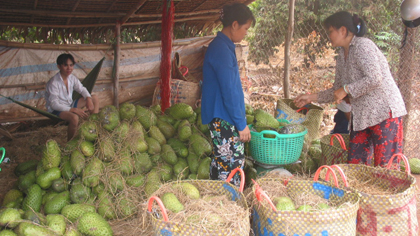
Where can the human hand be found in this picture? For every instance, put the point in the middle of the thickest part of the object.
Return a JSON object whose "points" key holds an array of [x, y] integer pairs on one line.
{"points": [[339, 94], [304, 99], [89, 104], [80, 112], [245, 135]]}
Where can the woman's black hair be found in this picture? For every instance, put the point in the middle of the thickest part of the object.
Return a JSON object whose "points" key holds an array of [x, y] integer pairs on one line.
{"points": [[62, 59], [353, 23], [236, 12]]}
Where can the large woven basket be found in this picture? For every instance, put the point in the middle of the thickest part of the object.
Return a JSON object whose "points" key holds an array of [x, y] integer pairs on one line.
{"points": [[340, 221], [335, 149], [163, 226], [394, 214]]}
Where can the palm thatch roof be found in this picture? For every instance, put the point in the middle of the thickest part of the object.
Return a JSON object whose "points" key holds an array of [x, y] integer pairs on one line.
{"points": [[50, 21]]}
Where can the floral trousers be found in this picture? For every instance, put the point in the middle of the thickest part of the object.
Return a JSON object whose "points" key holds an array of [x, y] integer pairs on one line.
{"points": [[377, 143], [228, 151]]}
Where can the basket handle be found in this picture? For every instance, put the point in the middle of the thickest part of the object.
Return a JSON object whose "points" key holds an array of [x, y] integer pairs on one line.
{"points": [[316, 177], [259, 194], [183, 68], [270, 132], [343, 176], [340, 140], [162, 207], [242, 174], [301, 109], [399, 156], [3, 150]]}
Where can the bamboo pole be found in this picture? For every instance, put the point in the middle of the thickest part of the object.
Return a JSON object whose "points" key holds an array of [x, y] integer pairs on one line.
{"points": [[116, 71], [83, 47], [406, 75], [289, 36]]}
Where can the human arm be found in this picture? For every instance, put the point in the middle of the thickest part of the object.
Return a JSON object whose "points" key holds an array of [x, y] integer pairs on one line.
{"points": [[304, 99]]}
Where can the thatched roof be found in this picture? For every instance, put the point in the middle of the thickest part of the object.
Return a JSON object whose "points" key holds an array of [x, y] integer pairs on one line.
{"points": [[66, 18]]}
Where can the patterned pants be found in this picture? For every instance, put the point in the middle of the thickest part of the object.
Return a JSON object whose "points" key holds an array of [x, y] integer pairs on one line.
{"points": [[381, 141], [228, 151]]}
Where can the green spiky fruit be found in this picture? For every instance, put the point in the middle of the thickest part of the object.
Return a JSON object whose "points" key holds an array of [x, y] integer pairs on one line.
{"points": [[74, 211], [200, 145], [188, 189], [146, 117], [92, 224], [56, 223], [57, 203], [77, 162], [10, 217], [106, 149], [109, 117], [181, 111], [33, 199], [88, 131], [169, 155], [51, 155], [284, 203], [171, 202], [93, 172], [127, 111], [142, 163]]}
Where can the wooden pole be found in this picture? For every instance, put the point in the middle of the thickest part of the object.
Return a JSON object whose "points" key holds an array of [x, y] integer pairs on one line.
{"points": [[116, 74], [287, 44], [406, 75]]}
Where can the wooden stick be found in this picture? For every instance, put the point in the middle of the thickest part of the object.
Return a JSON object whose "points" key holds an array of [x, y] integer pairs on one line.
{"points": [[117, 54], [287, 48]]}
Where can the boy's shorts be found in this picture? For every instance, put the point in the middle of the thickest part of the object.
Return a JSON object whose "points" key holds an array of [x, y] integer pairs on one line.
{"points": [[73, 105]]}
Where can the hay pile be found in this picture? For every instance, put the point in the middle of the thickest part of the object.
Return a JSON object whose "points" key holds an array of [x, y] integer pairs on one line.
{"points": [[212, 212]]}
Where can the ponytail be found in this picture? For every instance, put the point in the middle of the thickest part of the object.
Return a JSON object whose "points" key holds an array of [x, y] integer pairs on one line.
{"points": [[353, 23]]}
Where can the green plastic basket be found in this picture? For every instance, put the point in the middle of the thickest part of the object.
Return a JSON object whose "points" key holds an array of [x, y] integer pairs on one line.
{"points": [[283, 149]]}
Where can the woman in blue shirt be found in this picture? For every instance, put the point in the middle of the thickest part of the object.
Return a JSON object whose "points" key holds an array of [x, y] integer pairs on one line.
{"points": [[223, 105]]}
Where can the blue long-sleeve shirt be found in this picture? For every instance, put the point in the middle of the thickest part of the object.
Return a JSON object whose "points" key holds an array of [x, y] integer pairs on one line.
{"points": [[222, 94]]}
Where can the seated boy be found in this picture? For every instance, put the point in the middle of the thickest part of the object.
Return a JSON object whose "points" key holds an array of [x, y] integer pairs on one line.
{"points": [[59, 92]]}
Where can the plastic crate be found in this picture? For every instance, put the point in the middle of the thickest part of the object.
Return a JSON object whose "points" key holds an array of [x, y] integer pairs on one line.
{"points": [[283, 149]]}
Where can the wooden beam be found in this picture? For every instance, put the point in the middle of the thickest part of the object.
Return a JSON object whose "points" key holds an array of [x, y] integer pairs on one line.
{"points": [[117, 54], [74, 14], [132, 11], [208, 18], [73, 10], [64, 14], [177, 14], [289, 37], [87, 47]]}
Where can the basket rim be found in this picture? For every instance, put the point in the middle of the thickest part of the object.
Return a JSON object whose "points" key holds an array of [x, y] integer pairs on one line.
{"points": [[280, 135]]}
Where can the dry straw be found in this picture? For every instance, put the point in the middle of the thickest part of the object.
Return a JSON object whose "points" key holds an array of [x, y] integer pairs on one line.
{"points": [[211, 212]]}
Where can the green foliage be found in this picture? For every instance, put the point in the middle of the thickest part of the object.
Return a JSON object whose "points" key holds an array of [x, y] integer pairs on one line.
{"points": [[272, 23]]}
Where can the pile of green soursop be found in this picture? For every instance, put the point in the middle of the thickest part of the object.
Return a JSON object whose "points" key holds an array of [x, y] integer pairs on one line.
{"points": [[114, 164]]}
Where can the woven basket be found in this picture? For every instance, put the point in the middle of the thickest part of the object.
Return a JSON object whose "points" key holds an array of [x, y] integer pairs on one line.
{"points": [[181, 92], [394, 214], [341, 221], [309, 116], [335, 149], [163, 226]]}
